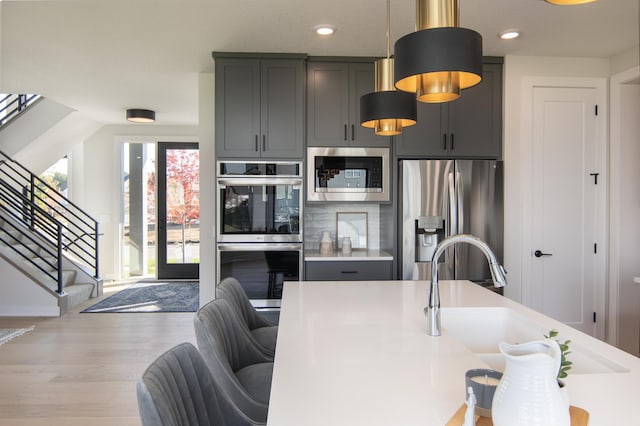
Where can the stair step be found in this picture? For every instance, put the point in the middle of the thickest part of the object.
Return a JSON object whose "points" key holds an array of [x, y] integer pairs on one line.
{"points": [[47, 263], [10, 236], [78, 293], [30, 250], [68, 277]]}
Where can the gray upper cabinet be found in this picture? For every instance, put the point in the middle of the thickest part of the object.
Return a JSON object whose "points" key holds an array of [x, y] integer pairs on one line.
{"points": [[259, 107], [469, 127], [333, 104]]}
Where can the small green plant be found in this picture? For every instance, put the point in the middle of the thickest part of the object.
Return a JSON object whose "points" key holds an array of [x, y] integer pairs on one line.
{"points": [[565, 364]]}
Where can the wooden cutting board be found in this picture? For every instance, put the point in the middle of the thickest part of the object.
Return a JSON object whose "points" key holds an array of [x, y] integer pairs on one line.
{"points": [[579, 417]]}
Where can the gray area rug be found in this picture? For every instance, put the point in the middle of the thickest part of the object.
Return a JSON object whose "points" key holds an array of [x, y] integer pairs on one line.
{"points": [[166, 296], [7, 334]]}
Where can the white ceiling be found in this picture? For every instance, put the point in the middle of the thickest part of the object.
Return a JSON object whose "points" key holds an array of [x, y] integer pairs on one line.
{"points": [[104, 56]]}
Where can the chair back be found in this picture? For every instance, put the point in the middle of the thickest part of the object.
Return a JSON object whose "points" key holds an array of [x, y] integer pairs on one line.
{"points": [[177, 389], [231, 290], [227, 347]]}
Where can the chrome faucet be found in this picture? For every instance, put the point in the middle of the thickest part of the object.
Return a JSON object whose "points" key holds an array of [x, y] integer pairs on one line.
{"points": [[432, 310]]}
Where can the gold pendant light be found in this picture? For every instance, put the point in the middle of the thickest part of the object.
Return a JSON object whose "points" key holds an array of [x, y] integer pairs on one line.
{"points": [[569, 2], [387, 110], [440, 59]]}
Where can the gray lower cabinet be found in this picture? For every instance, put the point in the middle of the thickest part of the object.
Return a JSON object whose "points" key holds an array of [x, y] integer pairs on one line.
{"points": [[259, 107], [348, 270], [333, 104], [469, 127]]}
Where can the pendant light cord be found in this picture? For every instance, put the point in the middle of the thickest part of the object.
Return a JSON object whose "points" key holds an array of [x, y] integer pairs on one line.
{"points": [[388, 28]]}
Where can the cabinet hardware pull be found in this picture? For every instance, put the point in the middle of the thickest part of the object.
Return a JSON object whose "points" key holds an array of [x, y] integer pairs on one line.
{"points": [[348, 272], [444, 141], [264, 142], [256, 143], [353, 132], [345, 132]]}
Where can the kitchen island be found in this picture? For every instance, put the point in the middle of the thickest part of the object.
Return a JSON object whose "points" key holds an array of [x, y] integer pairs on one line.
{"points": [[357, 353]]}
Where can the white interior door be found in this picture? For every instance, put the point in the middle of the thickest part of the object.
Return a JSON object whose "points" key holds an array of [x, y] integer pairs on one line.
{"points": [[567, 251]]}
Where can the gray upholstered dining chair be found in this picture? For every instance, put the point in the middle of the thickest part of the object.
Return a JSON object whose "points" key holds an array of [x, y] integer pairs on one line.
{"points": [[177, 389], [233, 357], [263, 330]]}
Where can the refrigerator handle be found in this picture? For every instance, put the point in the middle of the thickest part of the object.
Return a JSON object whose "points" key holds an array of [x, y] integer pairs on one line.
{"points": [[460, 203], [453, 207]]}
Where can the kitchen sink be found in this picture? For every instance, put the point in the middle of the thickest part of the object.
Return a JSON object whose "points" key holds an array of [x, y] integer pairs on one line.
{"points": [[482, 329]]}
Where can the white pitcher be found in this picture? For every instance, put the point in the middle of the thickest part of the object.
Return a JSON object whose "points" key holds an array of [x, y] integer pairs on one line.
{"points": [[528, 393]]}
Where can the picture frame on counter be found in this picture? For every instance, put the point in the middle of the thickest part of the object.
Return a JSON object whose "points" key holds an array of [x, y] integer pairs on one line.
{"points": [[354, 225]]}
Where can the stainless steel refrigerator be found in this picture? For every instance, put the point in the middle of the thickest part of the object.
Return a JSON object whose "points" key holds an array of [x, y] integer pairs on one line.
{"points": [[439, 198]]}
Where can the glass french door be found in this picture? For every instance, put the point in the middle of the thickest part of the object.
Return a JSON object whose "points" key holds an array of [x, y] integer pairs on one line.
{"points": [[178, 251]]}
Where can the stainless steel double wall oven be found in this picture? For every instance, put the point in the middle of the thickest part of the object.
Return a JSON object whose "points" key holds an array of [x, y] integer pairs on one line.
{"points": [[259, 226]]}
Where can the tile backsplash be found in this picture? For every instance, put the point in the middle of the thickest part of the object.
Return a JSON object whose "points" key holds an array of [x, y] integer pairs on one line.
{"points": [[319, 218]]}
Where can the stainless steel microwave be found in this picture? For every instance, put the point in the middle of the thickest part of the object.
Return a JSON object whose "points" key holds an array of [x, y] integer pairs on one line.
{"points": [[348, 174]]}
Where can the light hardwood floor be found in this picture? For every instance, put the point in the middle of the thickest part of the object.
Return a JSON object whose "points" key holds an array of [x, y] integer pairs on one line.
{"points": [[81, 369]]}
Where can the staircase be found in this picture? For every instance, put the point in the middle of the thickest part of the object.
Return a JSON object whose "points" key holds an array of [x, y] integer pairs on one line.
{"points": [[12, 105], [48, 246]]}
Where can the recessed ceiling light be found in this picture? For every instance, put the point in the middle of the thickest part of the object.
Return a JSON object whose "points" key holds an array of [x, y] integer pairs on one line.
{"points": [[509, 34], [324, 29]]}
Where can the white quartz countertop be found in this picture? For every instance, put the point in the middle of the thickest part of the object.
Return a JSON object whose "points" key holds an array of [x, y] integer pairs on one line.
{"points": [[356, 255], [357, 353]]}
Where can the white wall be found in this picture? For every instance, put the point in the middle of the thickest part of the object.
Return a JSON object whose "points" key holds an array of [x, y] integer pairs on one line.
{"points": [[516, 68], [98, 172], [37, 120], [23, 297], [625, 60], [629, 266], [624, 295], [207, 188], [46, 133], [624, 186], [56, 142], [1, 85]]}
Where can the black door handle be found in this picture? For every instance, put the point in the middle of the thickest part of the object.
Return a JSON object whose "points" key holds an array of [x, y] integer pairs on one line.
{"points": [[538, 253]]}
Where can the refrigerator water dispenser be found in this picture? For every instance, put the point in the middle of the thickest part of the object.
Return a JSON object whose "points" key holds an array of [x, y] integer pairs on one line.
{"points": [[429, 232]]}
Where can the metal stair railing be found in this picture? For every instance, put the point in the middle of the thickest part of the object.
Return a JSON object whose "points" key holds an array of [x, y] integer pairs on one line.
{"points": [[44, 210], [11, 105], [20, 240]]}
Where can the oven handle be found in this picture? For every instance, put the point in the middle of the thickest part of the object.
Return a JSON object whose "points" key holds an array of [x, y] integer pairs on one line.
{"points": [[261, 181], [260, 246]]}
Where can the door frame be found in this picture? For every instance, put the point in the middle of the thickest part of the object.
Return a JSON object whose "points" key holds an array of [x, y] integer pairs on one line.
{"points": [[119, 141], [165, 270], [526, 172], [617, 80]]}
